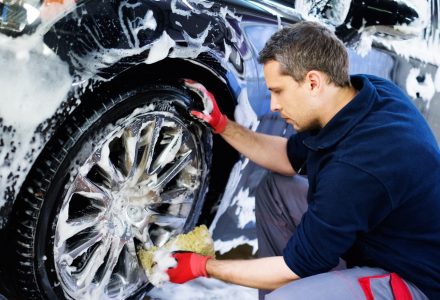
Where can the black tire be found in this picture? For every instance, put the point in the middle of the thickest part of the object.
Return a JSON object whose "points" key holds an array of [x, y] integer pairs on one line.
{"points": [[37, 271]]}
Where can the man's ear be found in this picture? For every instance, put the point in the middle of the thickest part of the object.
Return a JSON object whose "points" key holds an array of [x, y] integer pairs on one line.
{"points": [[314, 80]]}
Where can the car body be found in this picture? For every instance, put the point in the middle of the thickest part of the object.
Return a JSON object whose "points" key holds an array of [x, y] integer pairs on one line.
{"points": [[99, 154]]}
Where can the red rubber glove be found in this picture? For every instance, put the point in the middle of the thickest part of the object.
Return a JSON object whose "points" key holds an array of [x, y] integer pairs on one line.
{"points": [[190, 265], [211, 113]]}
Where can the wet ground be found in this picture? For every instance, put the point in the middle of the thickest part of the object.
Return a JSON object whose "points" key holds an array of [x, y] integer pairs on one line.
{"points": [[203, 289]]}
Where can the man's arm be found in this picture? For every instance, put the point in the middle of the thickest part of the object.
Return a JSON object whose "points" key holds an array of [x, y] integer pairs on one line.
{"points": [[264, 273], [268, 151], [267, 273]]}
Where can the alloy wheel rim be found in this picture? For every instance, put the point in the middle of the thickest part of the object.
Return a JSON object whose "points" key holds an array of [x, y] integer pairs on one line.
{"points": [[137, 188]]}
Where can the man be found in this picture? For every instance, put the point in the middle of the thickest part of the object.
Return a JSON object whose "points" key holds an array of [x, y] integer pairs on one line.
{"points": [[373, 171]]}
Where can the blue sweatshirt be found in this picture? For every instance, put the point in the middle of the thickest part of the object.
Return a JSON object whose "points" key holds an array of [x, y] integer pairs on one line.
{"points": [[374, 189]]}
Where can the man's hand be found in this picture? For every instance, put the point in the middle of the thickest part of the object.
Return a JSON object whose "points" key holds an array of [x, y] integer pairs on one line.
{"points": [[211, 114], [190, 265]]}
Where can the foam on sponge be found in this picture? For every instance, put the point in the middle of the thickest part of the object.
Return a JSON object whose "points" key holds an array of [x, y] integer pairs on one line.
{"points": [[156, 261]]}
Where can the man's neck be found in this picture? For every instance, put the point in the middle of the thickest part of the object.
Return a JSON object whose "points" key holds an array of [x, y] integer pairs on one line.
{"points": [[337, 99]]}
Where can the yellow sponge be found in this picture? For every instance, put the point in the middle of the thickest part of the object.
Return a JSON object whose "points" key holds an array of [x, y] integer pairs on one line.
{"points": [[156, 260]]}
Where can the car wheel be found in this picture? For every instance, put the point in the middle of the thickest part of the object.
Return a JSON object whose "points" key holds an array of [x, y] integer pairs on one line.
{"points": [[127, 171]]}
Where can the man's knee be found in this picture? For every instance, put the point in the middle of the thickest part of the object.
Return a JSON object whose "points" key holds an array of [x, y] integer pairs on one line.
{"points": [[284, 194], [276, 184], [265, 187]]}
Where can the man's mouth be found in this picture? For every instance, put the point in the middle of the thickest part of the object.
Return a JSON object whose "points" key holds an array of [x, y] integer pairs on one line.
{"points": [[286, 118]]}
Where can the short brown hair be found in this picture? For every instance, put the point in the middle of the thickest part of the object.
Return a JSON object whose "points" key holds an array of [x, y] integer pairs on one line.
{"points": [[307, 46]]}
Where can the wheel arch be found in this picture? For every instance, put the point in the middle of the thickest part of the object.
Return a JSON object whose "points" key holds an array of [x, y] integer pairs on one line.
{"points": [[173, 70]]}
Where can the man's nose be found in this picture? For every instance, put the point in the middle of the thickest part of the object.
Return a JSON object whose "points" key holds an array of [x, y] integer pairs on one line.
{"points": [[274, 105]]}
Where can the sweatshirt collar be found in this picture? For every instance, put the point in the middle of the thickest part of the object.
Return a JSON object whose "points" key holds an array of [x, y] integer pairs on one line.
{"points": [[348, 117]]}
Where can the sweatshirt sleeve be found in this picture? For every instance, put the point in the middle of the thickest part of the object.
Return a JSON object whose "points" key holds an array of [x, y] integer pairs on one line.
{"points": [[347, 201], [297, 151]]}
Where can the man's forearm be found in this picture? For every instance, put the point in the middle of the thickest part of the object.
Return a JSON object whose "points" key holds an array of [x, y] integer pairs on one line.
{"points": [[266, 273], [265, 150]]}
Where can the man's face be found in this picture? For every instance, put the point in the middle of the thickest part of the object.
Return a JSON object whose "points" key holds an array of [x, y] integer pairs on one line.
{"points": [[291, 99]]}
